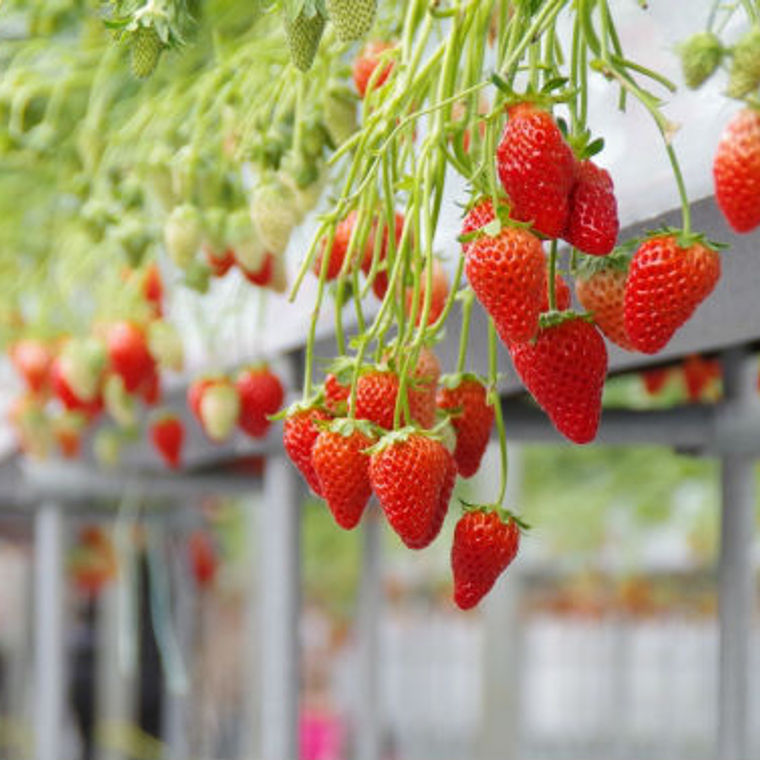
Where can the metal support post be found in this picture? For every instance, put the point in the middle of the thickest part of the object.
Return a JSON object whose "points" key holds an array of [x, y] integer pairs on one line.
{"points": [[48, 632], [279, 536], [369, 713], [500, 736], [736, 576]]}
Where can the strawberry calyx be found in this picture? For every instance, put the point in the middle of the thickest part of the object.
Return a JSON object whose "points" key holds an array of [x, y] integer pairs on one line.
{"points": [[619, 261], [312, 404], [402, 435], [453, 380], [505, 515], [550, 94], [684, 239], [346, 427]]}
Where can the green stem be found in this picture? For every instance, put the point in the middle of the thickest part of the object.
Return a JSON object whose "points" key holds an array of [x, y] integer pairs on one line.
{"points": [[464, 336], [553, 276], [493, 377]]}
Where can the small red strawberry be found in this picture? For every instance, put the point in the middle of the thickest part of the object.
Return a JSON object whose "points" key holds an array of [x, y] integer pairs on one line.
{"points": [[537, 169], [365, 64], [342, 466], [698, 374], [32, 360], [439, 295], [564, 370], [167, 435], [593, 224], [264, 275], [204, 560], [736, 171], [261, 394], [220, 263], [408, 476], [129, 355], [654, 379], [484, 547], [376, 393], [601, 291], [472, 417], [336, 394], [666, 283], [299, 436], [508, 275]]}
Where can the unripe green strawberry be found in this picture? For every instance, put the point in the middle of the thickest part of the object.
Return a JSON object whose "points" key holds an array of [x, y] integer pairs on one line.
{"points": [[340, 115], [219, 410], [165, 345], [244, 241], [745, 69], [119, 404], [274, 214], [146, 47], [700, 57], [82, 363], [352, 18], [182, 235], [304, 34]]}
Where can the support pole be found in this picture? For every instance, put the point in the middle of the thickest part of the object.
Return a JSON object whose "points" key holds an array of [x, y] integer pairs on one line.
{"points": [[279, 536], [369, 713], [48, 632], [736, 574]]}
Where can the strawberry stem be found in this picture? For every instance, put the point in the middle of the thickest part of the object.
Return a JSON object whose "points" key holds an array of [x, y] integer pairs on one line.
{"points": [[553, 276], [464, 337], [493, 378]]}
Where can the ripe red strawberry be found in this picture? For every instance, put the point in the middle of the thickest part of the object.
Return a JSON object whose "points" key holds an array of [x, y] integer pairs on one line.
{"points": [[422, 386], [593, 223], [343, 471], [666, 283], [472, 419], [299, 436], [698, 374], [537, 169], [654, 379], [380, 282], [562, 297], [261, 394], [564, 370], [339, 248], [336, 394], [220, 263], [167, 435], [736, 170], [484, 547], [129, 355], [32, 360], [508, 275], [366, 63], [153, 289], [408, 477], [262, 276], [438, 297], [204, 561], [601, 292], [376, 393]]}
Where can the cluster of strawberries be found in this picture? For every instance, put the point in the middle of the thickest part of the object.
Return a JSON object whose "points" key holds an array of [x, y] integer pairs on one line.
{"points": [[411, 469], [71, 381], [220, 404], [638, 302]]}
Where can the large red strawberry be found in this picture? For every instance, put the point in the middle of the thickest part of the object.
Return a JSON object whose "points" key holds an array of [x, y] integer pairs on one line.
{"points": [[168, 435], [32, 359], [484, 547], [376, 393], [601, 291], [472, 417], [129, 355], [593, 224], [666, 283], [365, 64], [537, 169], [508, 275], [299, 436], [438, 297], [261, 394], [736, 170], [408, 476], [342, 466], [564, 369]]}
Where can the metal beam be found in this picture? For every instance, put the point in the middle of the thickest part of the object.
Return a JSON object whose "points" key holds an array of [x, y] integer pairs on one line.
{"points": [[280, 549], [48, 560], [369, 713], [736, 572]]}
